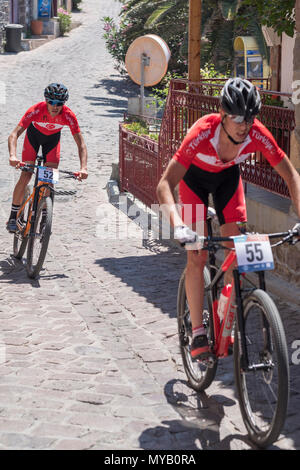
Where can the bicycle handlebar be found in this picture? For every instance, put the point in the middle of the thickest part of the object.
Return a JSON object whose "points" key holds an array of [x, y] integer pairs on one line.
{"points": [[214, 243], [26, 166]]}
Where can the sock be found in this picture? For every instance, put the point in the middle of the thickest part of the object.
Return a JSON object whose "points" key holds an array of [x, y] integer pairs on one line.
{"points": [[199, 330], [14, 211]]}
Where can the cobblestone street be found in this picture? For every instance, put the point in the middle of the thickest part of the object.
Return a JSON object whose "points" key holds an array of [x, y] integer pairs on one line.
{"points": [[89, 355]]}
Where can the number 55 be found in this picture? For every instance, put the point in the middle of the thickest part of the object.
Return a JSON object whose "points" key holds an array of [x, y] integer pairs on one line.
{"points": [[254, 252]]}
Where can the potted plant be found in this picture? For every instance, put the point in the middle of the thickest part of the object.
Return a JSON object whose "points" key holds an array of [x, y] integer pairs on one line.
{"points": [[36, 27]]}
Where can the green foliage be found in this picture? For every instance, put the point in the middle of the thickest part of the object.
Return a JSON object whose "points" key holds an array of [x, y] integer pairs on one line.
{"points": [[141, 128], [64, 20], [278, 14], [160, 92], [222, 21], [133, 23], [273, 100]]}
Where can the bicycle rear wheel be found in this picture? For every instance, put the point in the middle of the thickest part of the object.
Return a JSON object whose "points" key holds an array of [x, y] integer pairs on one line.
{"points": [[200, 374], [263, 391], [20, 242], [39, 240]]}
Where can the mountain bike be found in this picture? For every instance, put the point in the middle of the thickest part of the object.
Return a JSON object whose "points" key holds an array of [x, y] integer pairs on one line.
{"points": [[251, 329], [34, 218]]}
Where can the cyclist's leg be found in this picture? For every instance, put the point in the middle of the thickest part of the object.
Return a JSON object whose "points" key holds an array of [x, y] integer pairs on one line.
{"points": [[30, 149], [29, 152], [194, 214], [194, 284]]}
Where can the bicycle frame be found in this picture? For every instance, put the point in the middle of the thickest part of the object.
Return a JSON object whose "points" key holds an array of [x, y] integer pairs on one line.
{"points": [[37, 194], [221, 332]]}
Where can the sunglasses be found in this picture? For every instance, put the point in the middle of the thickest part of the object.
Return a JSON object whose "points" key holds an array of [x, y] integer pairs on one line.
{"points": [[55, 102], [241, 119]]}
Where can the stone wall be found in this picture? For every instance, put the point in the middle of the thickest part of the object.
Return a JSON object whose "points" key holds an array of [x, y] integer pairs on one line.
{"points": [[296, 76], [4, 19]]}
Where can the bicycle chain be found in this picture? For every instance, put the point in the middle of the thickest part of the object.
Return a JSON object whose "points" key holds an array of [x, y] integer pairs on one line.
{"points": [[64, 193]]}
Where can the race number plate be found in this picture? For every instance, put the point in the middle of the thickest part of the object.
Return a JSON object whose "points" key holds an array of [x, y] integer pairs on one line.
{"points": [[48, 175], [254, 253]]}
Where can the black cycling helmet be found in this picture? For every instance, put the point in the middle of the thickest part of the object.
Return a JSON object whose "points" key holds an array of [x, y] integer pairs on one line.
{"points": [[56, 91], [240, 97]]}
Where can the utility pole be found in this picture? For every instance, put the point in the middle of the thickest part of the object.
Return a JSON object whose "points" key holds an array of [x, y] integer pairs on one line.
{"points": [[194, 40]]}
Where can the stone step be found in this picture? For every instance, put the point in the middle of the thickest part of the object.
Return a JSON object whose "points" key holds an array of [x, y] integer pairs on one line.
{"points": [[36, 41]]}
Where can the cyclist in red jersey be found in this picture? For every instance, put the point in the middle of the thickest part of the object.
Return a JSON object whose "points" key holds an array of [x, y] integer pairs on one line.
{"points": [[43, 123], [207, 163]]}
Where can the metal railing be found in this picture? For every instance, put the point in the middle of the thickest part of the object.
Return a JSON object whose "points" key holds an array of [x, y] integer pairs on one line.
{"points": [[142, 161]]}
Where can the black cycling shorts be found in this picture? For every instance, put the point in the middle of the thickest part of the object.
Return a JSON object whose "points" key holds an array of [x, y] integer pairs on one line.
{"points": [[227, 191], [34, 139]]}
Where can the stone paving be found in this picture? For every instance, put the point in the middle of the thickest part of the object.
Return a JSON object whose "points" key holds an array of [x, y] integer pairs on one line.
{"points": [[89, 356]]}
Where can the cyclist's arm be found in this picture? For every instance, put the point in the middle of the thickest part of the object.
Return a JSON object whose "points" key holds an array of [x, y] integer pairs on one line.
{"points": [[12, 145], [82, 152], [166, 191], [290, 175]]}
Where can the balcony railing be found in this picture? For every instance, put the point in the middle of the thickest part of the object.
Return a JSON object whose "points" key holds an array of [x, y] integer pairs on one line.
{"points": [[142, 161]]}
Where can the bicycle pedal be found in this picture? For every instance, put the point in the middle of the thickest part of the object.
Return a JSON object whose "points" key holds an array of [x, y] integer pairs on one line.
{"points": [[20, 225], [208, 361]]}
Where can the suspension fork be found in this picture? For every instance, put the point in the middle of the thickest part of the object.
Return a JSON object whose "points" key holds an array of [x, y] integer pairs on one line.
{"points": [[39, 189]]}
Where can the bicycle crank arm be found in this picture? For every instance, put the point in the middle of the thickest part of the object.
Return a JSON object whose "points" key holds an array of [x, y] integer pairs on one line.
{"points": [[262, 366]]}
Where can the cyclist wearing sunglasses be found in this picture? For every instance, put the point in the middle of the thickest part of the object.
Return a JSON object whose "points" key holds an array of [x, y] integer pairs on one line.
{"points": [[43, 123], [207, 163]]}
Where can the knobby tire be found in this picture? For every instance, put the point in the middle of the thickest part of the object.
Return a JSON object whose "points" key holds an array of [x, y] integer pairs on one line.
{"points": [[20, 242], [33, 268], [199, 375], [263, 394]]}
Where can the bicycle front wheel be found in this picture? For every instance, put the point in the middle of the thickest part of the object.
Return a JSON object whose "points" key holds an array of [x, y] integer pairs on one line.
{"points": [[20, 242], [39, 239], [200, 374], [263, 389]]}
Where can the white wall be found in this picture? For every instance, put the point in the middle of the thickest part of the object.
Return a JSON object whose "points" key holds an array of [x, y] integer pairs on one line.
{"points": [[287, 48]]}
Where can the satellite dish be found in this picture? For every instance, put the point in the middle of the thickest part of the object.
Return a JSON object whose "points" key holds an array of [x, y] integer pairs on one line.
{"points": [[158, 52], [146, 61]]}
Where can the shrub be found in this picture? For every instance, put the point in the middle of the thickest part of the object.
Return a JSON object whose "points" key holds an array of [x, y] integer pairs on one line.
{"points": [[64, 21]]}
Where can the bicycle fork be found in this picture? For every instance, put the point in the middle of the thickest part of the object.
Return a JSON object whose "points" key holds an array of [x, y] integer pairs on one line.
{"points": [[241, 337], [241, 334]]}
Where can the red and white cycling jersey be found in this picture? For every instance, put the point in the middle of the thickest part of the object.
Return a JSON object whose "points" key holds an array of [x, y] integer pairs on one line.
{"points": [[199, 147], [41, 119]]}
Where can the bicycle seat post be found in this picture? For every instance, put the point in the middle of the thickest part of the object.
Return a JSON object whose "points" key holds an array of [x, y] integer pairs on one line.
{"points": [[41, 160]]}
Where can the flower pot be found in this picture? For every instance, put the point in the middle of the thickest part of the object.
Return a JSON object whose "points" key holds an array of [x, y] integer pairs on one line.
{"points": [[36, 27]]}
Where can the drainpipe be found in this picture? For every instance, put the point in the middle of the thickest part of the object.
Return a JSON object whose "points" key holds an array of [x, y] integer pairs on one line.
{"points": [[34, 9]]}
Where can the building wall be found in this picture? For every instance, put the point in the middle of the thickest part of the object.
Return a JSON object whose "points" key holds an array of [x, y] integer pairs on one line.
{"points": [[4, 19], [287, 47]]}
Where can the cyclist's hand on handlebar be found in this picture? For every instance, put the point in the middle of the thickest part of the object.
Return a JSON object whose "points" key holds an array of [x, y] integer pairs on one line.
{"points": [[13, 161], [184, 234], [187, 237]]}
